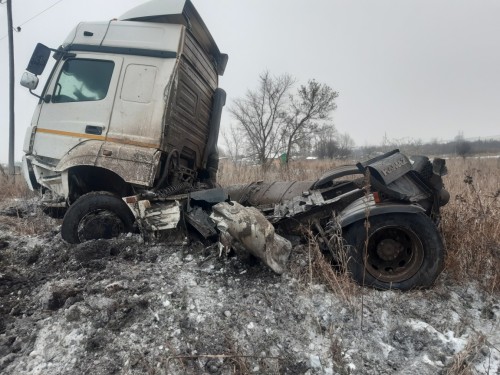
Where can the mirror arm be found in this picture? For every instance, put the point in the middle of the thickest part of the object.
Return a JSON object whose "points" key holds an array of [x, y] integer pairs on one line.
{"points": [[46, 99], [60, 54]]}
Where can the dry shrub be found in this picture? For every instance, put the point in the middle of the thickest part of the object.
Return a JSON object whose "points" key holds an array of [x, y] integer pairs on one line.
{"points": [[233, 360], [471, 221], [463, 362], [19, 215], [323, 269], [33, 224], [13, 186], [337, 353]]}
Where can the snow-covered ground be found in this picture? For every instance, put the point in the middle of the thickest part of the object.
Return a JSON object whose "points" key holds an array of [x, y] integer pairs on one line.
{"points": [[125, 307]]}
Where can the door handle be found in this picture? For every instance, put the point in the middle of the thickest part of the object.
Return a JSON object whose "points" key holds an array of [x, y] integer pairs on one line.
{"points": [[93, 129]]}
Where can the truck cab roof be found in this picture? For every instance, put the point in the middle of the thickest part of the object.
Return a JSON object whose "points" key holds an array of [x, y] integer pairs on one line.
{"points": [[154, 29], [179, 12]]}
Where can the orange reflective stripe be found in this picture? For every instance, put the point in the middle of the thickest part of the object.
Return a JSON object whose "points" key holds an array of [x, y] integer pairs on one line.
{"points": [[97, 137]]}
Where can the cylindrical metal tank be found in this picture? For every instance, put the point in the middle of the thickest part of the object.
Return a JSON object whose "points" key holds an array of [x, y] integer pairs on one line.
{"points": [[260, 193]]}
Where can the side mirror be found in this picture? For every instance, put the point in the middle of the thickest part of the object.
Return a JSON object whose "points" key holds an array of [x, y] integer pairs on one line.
{"points": [[39, 59], [29, 80]]}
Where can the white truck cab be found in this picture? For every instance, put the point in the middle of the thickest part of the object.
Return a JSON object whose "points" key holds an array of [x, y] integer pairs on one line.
{"points": [[130, 104]]}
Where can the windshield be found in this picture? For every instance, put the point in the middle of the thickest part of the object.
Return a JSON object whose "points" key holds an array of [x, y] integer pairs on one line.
{"points": [[83, 80]]}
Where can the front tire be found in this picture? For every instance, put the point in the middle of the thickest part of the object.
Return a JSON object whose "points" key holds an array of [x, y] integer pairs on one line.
{"points": [[403, 251], [96, 215]]}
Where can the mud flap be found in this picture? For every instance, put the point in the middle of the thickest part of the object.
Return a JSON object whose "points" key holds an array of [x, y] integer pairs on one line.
{"points": [[248, 227]]}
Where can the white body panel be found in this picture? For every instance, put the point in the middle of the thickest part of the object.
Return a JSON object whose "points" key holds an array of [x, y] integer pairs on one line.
{"points": [[128, 34], [140, 105], [154, 8], [61, 126]]}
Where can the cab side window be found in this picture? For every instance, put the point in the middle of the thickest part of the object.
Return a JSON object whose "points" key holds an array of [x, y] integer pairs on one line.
{"points": [[83, 80]]}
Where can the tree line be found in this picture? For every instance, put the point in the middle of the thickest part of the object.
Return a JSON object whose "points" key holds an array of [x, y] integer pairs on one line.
{"points": [[278, 120], [459, 146]]}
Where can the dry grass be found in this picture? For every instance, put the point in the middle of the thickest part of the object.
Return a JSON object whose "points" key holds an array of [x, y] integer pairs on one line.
{"points": [[463, 362], [299, 170], [13, 187], [318, 267], [233, 360], [19, 216], [471, 221]]}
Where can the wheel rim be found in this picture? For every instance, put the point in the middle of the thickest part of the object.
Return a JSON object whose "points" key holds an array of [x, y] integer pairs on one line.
{"points": [[394, 254], [100, 224]]}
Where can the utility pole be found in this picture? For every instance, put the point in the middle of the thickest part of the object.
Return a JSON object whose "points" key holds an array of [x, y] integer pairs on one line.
{"points": [[11, 87]]}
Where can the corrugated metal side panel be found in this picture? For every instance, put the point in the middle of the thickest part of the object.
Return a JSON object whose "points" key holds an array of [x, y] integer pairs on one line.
{"points": [[187, 123], [201, 61]]}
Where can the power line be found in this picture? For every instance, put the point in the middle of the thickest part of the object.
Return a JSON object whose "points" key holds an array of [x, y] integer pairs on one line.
{"points": [[18, 28], [43, 11]]}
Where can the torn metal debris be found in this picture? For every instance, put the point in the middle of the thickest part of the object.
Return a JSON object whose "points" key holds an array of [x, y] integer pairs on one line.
{"points": [[248, 228]]}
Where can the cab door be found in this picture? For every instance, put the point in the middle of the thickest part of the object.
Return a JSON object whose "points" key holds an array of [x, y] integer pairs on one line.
{"points": [[78, 106]]}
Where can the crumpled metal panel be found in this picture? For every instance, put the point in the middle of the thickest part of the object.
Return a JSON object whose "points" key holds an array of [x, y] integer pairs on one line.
{"points": [[298, 204], [200, 220], [136, 165], [209, 196], [156, 216], [248, 227]]}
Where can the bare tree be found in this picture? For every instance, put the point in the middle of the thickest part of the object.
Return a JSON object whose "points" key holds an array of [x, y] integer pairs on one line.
{"points": [[261, 115], [326, 144], [314, 102], [345, 145], [326, 148], [462, 146], [233, 143], [388, 144]]}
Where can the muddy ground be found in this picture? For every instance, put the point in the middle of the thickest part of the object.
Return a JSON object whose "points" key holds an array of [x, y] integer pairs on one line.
{"points": [[125, 307]]}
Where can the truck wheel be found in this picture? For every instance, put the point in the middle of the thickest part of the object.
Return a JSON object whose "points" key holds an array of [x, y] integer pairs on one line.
{"points": [[403, 251], [96, 215]]}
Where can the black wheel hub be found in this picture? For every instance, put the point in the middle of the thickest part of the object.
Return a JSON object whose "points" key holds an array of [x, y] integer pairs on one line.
{"points": [[394, 254], [100, 224]]}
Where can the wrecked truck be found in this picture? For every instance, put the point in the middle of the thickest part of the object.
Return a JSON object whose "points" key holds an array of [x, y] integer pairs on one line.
{"points": [[124, 136], [379, 217]]}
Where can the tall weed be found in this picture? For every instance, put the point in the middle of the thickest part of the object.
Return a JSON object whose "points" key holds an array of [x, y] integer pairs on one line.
{"points": [[471, 221]]}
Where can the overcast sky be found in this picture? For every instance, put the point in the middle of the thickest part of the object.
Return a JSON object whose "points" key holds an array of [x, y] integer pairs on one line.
{"points": [[412, 69]]}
